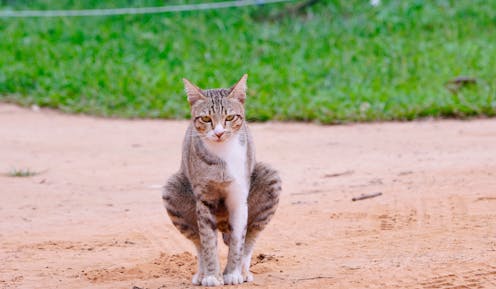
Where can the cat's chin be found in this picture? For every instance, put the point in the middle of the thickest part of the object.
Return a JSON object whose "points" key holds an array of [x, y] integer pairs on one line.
{"points": [[217, 140]]}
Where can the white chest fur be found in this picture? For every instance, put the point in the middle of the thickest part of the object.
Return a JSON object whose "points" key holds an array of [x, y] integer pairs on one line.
{"points": [[233, 152]]}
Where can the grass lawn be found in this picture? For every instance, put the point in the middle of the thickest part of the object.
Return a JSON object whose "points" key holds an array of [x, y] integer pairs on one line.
{"points": [[339, 61]]}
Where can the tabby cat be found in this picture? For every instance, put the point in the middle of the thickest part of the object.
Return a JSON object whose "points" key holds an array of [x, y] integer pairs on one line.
{"points": [[220, 185]]}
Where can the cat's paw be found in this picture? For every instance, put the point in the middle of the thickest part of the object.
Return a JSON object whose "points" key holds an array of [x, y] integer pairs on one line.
{"points": [[212, 280], [233, 278], [197, 278], [248, 276]]}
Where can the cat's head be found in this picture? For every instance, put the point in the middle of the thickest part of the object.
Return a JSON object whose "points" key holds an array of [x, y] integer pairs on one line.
{"points": [[217, 114]]}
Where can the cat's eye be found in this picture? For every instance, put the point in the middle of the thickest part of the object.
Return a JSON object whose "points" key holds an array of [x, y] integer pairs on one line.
{"points": [[206, 118], [230, 117]]}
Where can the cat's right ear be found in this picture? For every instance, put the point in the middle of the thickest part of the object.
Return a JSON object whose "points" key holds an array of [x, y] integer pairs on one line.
{"points": [[194, 93]]}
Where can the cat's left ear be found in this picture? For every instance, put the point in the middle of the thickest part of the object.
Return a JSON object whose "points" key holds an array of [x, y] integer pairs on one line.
{"points": [[238, 91]]}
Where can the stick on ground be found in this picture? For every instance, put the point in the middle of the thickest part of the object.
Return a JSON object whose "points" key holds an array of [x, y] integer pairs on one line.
{"points": [[366, 196]]}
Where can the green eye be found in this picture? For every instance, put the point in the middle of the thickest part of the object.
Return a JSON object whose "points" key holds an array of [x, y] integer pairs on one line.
{"points": [[206, 118], [230, 117]]}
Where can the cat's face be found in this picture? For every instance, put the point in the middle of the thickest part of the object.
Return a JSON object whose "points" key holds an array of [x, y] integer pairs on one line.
{"points": [[217, 114]]}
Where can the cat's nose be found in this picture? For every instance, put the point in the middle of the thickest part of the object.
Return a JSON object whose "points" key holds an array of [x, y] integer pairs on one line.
{"points": [[219, 130]]}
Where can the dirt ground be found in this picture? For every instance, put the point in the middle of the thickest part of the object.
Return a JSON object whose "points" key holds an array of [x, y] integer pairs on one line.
{"points": [[93, 216]]}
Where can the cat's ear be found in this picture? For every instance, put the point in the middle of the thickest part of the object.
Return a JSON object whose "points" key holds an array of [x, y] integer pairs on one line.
{"points": [[194, 93], [238, 91]]}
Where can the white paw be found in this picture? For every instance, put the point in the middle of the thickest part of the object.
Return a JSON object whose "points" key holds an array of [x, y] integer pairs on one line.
{"points": [[211, 280], [248, 277], [197, 278], [233, 278]]}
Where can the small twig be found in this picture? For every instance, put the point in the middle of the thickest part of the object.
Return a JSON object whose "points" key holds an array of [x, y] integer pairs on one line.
{"points": [[366, 196], [345, 173], [312, 278]]}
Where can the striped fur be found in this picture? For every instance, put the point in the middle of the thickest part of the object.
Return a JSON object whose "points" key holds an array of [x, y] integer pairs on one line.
{"points": [[220, 186], [180, 203]]}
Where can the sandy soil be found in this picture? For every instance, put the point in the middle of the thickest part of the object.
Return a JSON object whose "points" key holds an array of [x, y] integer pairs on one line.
{"points": [[93, 217]]}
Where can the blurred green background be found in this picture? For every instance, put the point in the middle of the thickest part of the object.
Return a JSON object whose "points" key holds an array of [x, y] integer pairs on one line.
{"points": [[335, 61]]}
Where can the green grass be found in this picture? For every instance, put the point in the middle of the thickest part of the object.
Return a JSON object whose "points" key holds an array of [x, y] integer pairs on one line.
{"points": [[22, 173], [341, 61]]}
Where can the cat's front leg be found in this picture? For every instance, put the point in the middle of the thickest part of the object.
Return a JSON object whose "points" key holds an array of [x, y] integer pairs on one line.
{"points": [[238, 217], [209, 274], [197, 278]]}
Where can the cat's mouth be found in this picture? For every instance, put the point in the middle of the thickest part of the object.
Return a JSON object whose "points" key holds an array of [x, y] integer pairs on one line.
{"points": [[218, 139]]}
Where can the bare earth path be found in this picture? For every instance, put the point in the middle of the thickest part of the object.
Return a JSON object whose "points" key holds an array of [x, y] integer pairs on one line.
{"points": [[93, 217]]}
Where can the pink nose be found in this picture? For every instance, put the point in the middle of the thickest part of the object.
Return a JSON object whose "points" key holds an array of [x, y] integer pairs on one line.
{"points": [[219, 134]]}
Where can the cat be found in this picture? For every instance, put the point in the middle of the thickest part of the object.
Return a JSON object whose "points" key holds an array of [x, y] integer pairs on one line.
{"points": [[220, 186]]}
